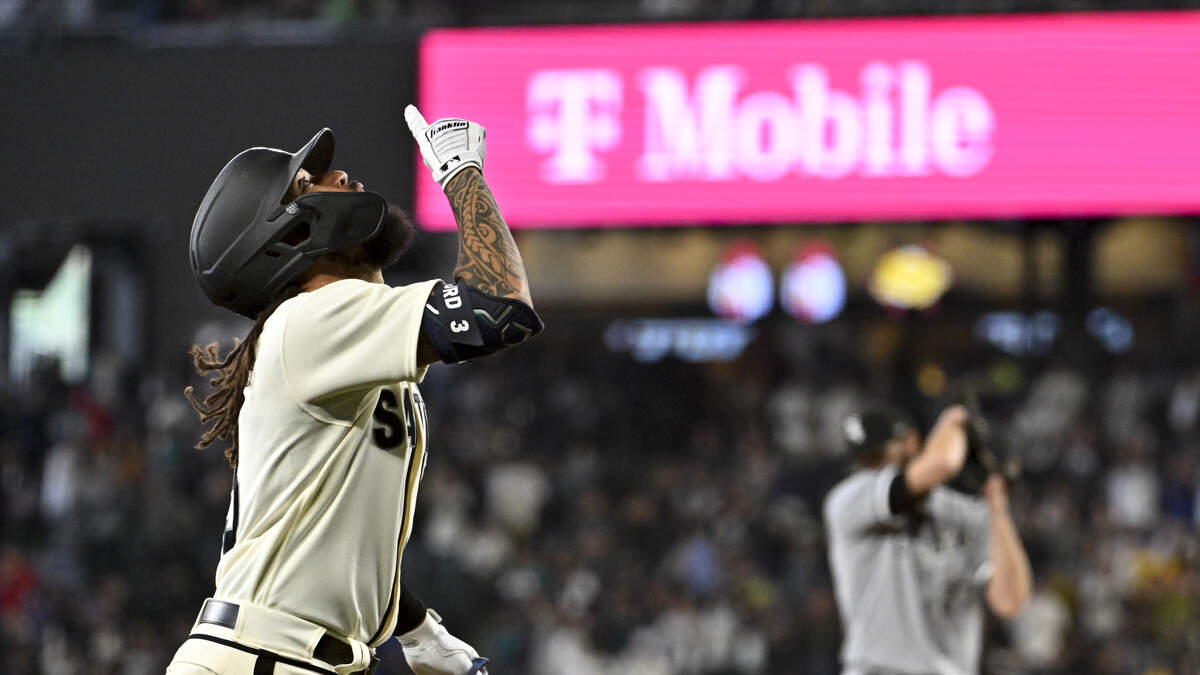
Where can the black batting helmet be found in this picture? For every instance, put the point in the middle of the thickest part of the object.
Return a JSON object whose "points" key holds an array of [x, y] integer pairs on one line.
{"points": [[247, 245], [869, 431]]}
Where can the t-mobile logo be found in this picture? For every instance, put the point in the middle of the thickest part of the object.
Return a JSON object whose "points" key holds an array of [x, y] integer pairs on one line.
{"points": [[895, 127], [573, 114]]}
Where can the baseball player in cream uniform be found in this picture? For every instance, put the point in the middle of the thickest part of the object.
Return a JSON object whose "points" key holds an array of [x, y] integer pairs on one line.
{"points": [[327, 425]]}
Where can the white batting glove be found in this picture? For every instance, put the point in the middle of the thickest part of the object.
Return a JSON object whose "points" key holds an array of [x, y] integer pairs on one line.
{"points": [[430, 649], [448, 146]]}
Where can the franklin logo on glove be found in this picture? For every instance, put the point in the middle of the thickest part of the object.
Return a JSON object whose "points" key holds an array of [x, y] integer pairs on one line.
{"points": [[453, 124]]}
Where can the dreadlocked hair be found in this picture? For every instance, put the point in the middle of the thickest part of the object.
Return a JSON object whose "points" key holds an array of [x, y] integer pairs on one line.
{"points": [[224, 403]]}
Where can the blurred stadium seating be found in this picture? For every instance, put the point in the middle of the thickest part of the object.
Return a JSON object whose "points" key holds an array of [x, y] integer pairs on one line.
{"points": [[594, 509]]}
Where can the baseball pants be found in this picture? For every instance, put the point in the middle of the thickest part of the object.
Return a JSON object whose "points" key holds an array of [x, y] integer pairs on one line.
{"points": [[245, 639]]}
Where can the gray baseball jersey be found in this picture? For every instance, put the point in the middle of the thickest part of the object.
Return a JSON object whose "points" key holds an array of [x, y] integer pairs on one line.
{"points": [[332, 449], [909, 587]]}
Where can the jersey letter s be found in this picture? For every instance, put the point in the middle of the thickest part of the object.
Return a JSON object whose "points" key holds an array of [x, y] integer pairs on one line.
{"points": [[390, 430]]}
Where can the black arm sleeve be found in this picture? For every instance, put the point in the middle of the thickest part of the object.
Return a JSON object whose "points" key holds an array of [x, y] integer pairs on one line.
{"points": [[464, 323], [410, 611], [900, 499]]}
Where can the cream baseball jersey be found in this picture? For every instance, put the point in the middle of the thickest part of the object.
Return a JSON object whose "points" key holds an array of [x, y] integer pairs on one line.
{"points": [[331, 452]]}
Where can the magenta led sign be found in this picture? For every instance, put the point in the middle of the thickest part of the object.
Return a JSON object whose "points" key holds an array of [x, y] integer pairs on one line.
{"points": [[896, 119]]}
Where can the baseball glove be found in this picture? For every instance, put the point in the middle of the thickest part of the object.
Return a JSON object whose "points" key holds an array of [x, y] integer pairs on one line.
{"points": [[986, 455]]}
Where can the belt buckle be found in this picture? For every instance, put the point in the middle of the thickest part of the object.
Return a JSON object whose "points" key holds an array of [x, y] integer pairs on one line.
{"points": [[220, 613]]}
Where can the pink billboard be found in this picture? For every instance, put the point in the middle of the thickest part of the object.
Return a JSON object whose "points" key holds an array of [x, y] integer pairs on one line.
{"points": [[830, 121]]}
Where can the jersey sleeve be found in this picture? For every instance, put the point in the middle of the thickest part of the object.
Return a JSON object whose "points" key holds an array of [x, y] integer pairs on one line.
{"points": [[860, 501], [352, 336]]}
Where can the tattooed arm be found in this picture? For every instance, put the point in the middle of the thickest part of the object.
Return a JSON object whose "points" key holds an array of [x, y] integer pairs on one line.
{"points": [[488, 258], [488, 261], [489, 308]]}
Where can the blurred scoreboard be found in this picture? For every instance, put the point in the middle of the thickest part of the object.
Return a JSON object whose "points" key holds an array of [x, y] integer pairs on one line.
{"points": [[826, 121]]}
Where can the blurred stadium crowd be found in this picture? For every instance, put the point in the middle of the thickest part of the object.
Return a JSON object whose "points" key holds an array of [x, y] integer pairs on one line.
{"points": [[585, 514]]}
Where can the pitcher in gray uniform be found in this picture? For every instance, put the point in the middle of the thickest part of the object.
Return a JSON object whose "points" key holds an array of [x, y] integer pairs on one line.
{"points": [[914, 562]]}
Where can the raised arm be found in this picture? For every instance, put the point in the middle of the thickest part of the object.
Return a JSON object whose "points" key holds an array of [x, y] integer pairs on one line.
{"points": [[490, 307], [943, 455], [488, 258]]}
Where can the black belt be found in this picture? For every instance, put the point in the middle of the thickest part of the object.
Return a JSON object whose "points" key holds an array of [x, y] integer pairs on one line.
{"points": [[329, 649]]}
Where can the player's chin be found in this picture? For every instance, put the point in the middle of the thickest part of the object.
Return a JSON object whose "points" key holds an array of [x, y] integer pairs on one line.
{"points": [[393, 240]]}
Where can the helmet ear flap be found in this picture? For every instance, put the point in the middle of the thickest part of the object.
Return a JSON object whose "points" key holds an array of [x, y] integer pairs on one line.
{"points": [[340, 219], [283, 257], [299, 233], [294, 230]]}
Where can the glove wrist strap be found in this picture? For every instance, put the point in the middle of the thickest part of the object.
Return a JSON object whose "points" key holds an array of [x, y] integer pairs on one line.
{"points": [[466, 164], [426, 632]]}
